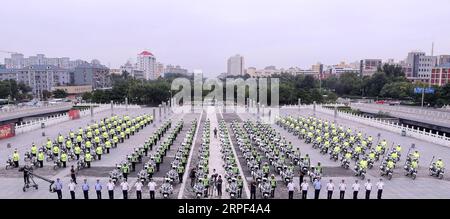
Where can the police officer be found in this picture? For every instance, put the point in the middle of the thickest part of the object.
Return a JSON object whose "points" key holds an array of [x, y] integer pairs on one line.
{"points": [[157, 161], [125, 171], [342, 188], [253, 190], [99, 151], [77, 151], [107, 146], [317, 186], [138, 185], [240, 185], [58, 188], [73, 175], [368, 186], [266, 170], [273, 185], [125, 188], [63, 158], [34, 150], [304, 187], [85, 188], [355, 188], [206, 185], [72, 186], [98, 189], [55, 151], [88, 159], [180, 170], [110, 186], [40, 158], [330, 188], [16, 158]]}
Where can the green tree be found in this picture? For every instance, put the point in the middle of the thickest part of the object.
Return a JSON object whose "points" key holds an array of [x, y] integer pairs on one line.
{"points": [[46, 94], [60, 93]]}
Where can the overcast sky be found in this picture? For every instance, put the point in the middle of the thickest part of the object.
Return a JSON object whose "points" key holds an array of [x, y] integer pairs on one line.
{"points": [[202, 34]]}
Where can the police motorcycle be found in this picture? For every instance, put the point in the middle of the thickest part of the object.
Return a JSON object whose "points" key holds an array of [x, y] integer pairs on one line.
{"points": [[232, 189], [166, 189], [81, 164], [265, 188], [287, 175], [359, 171], [334, 154], [324, 148], [27, 156], [49, 156], [385, 170], [10, 163], [173, 175], [257, 174], [411, 171], [345, 162], [313, 174], [199, 189], [57, 163], [279, 165], [116, 174], [295, 157], [142, 175], [436, 171]]}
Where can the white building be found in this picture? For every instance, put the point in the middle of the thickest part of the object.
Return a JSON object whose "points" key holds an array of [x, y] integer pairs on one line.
{"points": [[18, 61], [146, 62], [235, 65], [115, 71], [420, 66], [43, 77], [175, 70]]}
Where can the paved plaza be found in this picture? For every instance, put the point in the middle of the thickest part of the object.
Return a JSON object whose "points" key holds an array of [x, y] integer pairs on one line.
{"points": [[11, 181]]}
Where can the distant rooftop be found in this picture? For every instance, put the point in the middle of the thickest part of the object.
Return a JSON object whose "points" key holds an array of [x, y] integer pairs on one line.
{"points": [[146, 53], [446, 65]]}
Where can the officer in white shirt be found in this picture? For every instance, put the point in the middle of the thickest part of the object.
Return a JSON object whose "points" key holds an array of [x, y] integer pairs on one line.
{"points": [[152, 188], [368, 186], [110, 186], [72, 187], [380, 186], [355, 188], [304, 186], [342, 188], [138, 186], [291, 188], [330, 188], [125, 188]]}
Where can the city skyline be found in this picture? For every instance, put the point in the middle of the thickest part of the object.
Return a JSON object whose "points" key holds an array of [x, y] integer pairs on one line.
{"points": [[307, 33]]}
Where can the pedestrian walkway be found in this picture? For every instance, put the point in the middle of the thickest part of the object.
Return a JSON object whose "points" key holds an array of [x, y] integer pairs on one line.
{"points": [[215, 156]]}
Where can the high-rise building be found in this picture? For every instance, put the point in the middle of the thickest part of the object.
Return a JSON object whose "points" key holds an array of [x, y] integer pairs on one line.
{"points": [[418, 66], [146, 62], [235, 65], [368, 67]]}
